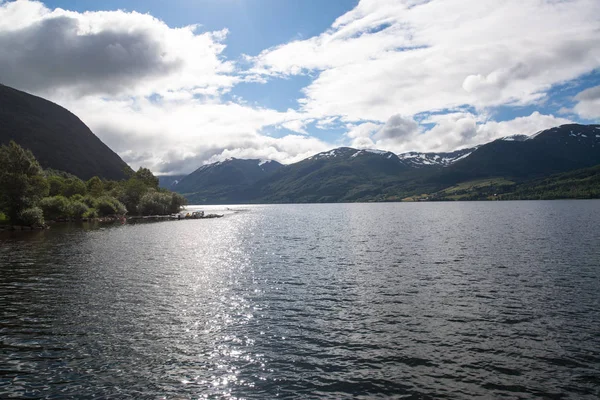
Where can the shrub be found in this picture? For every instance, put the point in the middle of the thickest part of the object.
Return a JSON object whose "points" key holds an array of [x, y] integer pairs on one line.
{"points": [[95, 187], [78, 209], [89, 201], [90, 213], [107, 205], [155, 203], [22, 181], [55, 207], [57, 185], [33, 216], [76, 197], [130, 193], [177, 202], [74, 186]]}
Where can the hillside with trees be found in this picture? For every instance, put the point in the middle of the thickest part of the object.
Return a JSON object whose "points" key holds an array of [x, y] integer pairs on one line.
{"points": [[30, 195]]}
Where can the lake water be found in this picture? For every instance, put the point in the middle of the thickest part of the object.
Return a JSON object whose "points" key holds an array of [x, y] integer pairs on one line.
{"points": [[407, 300]]}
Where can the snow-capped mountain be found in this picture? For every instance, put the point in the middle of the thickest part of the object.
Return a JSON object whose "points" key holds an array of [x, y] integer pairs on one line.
{"points": [[348, 174], [222, 178], [418, 160], [349, 152]]}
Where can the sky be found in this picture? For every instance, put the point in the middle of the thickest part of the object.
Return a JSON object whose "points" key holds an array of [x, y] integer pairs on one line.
{"points": [[175, 85]]}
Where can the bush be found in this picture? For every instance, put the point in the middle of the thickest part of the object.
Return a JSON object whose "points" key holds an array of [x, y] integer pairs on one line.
{"points": [[55, 207], [90, 213], [22, 181], [155, 203], [130, 193], [107, 205], [76, 197], [89, 201], [177, 202], [74, 186], [78, 209], [57, 185], [95, 187], [33, 216]]}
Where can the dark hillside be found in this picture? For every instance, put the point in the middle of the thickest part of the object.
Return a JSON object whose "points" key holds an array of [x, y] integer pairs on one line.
{"points": [[56, 137], [552, 151]]}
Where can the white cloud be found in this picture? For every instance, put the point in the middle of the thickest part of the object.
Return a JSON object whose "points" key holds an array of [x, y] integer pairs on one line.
{"points": [[388, 57], [297, 125], [588, 103], [174, 136], [450, 132], [107, 53]]}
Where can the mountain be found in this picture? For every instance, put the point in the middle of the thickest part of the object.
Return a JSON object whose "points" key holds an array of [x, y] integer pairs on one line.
{"points": [[57, 138], [338, 175], [346, 174], [225, 181], [418, 160], [555, 150], [169, 181]]}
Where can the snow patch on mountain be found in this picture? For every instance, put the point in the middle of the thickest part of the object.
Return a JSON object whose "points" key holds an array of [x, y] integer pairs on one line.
{"points": [[517, 138], [373, 151], [417, 160], [349, 152]]}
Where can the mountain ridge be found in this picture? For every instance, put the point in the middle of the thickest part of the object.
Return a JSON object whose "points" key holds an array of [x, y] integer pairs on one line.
{"points": [[41, 125], [348, 174]]}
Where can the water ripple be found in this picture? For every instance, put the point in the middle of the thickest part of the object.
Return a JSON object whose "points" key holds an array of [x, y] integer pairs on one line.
{"points": [[408, 301]]}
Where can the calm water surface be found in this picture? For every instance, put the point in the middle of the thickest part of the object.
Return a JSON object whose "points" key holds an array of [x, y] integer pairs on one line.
{"points": [[416, 301]]}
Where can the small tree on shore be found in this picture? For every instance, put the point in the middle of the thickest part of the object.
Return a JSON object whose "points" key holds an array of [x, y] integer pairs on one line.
{"points": [[22, 182]]}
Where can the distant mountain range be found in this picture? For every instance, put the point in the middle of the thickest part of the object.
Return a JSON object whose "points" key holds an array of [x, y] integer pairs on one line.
{"points": [[57, 138], [224, 182], [549, 164], [346, 174]]}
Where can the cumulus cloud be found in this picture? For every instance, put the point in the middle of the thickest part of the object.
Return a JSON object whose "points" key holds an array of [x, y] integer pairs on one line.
{"points": [[409, 57], [397, 129], [114, 53], [588, 103], [173, 136], [450, 131]]}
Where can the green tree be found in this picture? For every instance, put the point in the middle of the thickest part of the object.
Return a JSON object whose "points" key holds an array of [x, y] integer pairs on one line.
{"points": [[79, 209], [108, 206], [32, 216], [130, 194], [95, 187], [74, 186], [146, 176], [55, 207], [177, 202], [22, 182], [56, 184], [155, 203]]}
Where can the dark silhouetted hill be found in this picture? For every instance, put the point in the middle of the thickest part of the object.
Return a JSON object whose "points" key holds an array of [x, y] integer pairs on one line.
{"points": [[57, 138]]}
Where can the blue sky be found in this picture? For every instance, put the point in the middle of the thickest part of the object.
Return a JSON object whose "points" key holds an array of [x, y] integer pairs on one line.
{"points": [[283, 80], [253, 25]]}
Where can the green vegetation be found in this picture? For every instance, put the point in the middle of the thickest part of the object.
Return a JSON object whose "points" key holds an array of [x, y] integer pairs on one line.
{"points": [[482, 189], [578, 184], [22, 183], [30, 196]]}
